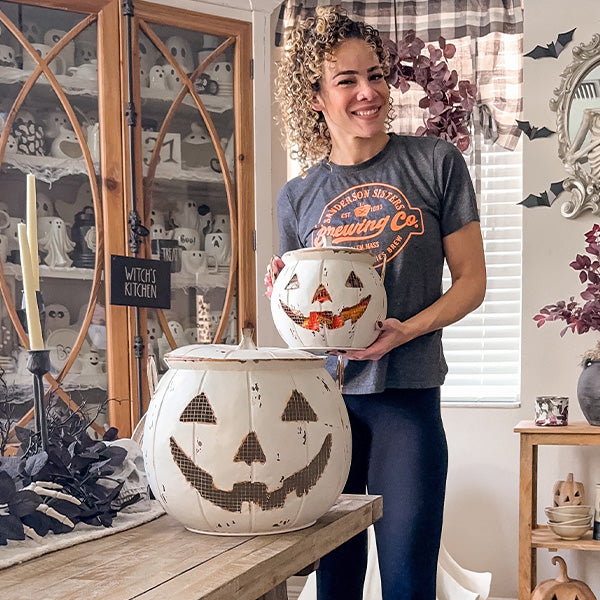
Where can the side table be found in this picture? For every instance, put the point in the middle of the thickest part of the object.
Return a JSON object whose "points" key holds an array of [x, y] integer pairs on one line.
{"points": [[532, 535]]}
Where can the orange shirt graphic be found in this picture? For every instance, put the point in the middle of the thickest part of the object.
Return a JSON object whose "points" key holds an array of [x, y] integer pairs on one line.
{"points": [[370, 216]]}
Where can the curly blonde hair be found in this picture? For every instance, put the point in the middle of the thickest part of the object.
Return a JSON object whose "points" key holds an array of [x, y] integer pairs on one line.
{"points": [[307, 46]]}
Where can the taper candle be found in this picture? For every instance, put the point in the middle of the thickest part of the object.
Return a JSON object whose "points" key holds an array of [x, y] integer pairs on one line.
{"points": [[32, 230], [36, 342]]}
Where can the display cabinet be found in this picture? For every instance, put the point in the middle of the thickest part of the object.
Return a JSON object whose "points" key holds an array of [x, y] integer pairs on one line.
{"points": [[531, 534], [187, 169]]}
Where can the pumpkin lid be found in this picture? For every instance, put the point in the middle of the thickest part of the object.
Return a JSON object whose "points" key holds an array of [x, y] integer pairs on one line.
{"points": [[246, 350], [326, 252]]}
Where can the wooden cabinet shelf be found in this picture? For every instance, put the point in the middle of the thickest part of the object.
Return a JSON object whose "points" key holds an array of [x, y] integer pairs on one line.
{"points": [[531, 534], [542, 537]]}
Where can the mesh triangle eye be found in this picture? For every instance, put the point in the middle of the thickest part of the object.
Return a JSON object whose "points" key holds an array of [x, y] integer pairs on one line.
{"points": [[354, 281], [293, 283], [198, 410], [298, 409], [250, 451]]}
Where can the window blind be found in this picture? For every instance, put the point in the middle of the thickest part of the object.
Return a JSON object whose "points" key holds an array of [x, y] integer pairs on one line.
{"points": [[483, 348]]}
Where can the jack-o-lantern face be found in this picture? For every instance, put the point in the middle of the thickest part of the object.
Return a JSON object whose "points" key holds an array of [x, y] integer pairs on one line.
{"points": [[241, 448], [250, 451], [328, 303], [326, 318]]}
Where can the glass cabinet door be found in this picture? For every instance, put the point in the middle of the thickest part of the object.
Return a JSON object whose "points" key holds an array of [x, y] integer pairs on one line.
{"points": [[190, 133], [49, 120]]}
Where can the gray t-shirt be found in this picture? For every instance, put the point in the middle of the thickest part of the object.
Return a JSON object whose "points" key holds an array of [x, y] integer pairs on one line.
{"points": [[400, 204]]}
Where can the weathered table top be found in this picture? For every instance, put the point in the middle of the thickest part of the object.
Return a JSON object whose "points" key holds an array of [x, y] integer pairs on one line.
{"points": [[162, 560]]}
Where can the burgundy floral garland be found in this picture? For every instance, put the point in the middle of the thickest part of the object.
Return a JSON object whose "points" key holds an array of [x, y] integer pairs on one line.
{"points": [[449, 102]]}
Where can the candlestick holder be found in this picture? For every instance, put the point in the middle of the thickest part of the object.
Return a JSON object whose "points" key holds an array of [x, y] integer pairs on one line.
{"points": [[22, 313], [38, 363]]}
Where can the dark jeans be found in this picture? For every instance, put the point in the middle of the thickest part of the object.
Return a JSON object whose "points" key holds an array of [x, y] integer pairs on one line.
{"points": [[399, 451]]}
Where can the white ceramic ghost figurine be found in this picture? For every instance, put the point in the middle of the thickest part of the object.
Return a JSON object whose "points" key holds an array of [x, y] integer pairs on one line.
{"points": [[218, 245], [32, 31], [197, 148], [11, 144], [148, 57], [57, 245], [44, 206], [187, 215], [57, 317], [92, 363], [66, 144], [177, 331], [54, 121], [182, 52], [191, 335], [153, 331], [158, 80]]}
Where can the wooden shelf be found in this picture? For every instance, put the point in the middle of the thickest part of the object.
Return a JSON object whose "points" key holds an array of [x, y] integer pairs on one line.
{"points": [[542, 537], [531, 535], [56, 273], [575, 428]]}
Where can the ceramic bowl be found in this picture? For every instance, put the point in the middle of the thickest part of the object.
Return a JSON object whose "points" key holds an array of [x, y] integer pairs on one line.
{"points": [[567, 513], [579, 521], [569, 532]]}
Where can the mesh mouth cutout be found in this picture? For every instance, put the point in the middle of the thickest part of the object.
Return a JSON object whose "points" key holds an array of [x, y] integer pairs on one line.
{"points": [[327, 319], [254, 492]]}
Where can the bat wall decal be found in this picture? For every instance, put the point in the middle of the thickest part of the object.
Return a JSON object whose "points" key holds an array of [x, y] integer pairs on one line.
{"points": [[533, 132], [546, 198], [553, 49]]}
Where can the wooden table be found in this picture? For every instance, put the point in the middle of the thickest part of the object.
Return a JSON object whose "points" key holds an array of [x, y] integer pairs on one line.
{"points": [[161, 560], [531, 534]]}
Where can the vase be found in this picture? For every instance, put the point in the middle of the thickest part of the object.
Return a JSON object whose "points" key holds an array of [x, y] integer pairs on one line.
{"points": [[588, 391]]}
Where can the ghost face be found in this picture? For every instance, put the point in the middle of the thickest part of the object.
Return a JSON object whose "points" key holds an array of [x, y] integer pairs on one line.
{"points": [[154, 332], [44, 206], [218, 245], [57, 317], [181, 51]]}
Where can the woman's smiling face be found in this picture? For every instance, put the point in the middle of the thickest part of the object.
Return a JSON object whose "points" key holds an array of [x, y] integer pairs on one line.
{"points": [[353, 94]]}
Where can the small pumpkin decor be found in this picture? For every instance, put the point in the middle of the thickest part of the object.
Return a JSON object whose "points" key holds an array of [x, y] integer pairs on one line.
{"points": [[563, 587], [245, 440], [328, 298], [568, 493]]}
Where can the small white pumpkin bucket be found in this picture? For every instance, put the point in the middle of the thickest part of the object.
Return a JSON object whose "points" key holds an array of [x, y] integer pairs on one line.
{"points": [[245, 440], [328, 298]]}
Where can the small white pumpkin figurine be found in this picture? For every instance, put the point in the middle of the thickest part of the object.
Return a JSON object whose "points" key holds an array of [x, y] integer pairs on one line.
{"points": [[242, 440], [328, 298]]}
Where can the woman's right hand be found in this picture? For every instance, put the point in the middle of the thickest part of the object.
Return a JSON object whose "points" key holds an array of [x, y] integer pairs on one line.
{"points": [[273, 269]]}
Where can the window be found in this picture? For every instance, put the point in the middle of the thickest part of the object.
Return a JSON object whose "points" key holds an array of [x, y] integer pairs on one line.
{"points": [[483, 349]]}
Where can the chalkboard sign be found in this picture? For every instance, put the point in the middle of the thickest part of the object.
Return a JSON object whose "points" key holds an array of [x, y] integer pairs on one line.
{"points": [[140, 282]]}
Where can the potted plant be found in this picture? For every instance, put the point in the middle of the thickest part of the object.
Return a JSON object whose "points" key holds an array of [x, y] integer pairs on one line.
{"points": [[582, 316]]}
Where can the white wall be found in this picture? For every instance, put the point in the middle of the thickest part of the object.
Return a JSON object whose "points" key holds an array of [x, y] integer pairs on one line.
{"points": [[482, 499]]}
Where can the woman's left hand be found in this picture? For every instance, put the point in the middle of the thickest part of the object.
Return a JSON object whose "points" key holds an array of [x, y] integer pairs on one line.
{"points": [[392, 333]]}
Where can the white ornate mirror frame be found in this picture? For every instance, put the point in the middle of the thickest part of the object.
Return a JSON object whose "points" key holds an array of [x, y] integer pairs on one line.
{"points": [[577, 107]]}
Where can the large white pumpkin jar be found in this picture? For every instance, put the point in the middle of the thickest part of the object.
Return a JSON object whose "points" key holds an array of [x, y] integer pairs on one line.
{"points": [[243, 440], [328, 298]]}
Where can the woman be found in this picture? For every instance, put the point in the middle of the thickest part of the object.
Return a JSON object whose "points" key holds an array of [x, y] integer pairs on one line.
{"points": [[412, 204]]}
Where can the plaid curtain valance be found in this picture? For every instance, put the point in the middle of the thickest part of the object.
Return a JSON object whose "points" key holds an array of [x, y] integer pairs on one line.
{"points": [[488, 35], [430, 19]]}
